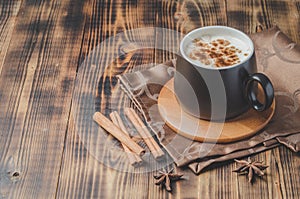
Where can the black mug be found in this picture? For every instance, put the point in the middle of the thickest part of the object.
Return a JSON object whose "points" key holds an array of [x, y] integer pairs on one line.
{"points": [[219, 92]]}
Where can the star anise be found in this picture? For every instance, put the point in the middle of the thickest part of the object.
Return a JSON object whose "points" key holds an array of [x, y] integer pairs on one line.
{"points": [[165, 178], [250, 168]]}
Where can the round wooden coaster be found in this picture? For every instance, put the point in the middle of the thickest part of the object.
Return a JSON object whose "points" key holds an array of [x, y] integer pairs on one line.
{"points": [[194, 128]]}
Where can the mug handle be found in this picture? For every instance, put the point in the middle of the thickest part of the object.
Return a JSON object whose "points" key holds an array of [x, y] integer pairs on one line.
{"points": [[267, 87]]}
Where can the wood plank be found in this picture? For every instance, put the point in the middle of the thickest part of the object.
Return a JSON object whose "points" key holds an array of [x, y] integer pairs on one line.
{"points": [[246, 15], [184, 16], [180, 17], [286, 172], [84, 177], [37, 82], [93, 165], [284, 14], [36, 85], [8, 12], [221, 182]]}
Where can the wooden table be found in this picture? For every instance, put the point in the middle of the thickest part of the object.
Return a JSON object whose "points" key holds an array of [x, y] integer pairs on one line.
{"points": [[43, 44]]}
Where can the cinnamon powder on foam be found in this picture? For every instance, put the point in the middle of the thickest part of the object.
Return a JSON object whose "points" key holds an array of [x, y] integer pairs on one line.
{"points": [[217, 53]]}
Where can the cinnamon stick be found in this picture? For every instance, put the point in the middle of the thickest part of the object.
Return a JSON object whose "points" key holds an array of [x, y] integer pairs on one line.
{"points": [[117, 133], [145, 134], [133, 158]]}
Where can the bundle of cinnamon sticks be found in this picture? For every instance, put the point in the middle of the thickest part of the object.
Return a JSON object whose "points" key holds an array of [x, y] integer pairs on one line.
{"points": [[116, 128]]}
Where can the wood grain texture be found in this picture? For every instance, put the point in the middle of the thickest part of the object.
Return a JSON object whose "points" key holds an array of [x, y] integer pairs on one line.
{"points": [[47, 151], [246, 15], [290, 23], [185, 16], [235, 129], [94, 166], [36, 84], [8, 12], [177, 18], [81, 167]]}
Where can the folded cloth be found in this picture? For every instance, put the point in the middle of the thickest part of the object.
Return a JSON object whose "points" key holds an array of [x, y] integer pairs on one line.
{"points": [[277, 56], [291, 141]]}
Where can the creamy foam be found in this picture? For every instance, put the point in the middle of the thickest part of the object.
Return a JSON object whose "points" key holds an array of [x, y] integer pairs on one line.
{"points": [[217, 50]]}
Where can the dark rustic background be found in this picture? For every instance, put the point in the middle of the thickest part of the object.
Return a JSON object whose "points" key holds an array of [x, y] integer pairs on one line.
{"points": [[42, 46]]}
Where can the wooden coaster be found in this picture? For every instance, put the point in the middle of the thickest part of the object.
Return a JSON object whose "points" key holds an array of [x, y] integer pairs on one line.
{"points": [[194, 128]]}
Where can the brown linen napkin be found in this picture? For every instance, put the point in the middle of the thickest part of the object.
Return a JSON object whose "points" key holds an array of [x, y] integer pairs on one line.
{"points": [[291, 141], [277, 57]]}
